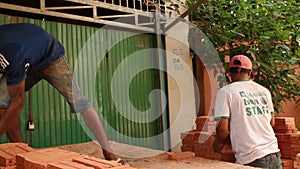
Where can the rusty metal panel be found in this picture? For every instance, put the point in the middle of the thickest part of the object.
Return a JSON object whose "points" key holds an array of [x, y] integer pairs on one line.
{"points": [[119, 90]]}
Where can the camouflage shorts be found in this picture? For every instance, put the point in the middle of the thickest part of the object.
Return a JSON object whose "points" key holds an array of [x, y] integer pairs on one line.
{"points": [[60, 76]]}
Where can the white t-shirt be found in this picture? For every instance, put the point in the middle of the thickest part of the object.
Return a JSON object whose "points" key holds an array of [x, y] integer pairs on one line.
{"points": [[249, 107]]}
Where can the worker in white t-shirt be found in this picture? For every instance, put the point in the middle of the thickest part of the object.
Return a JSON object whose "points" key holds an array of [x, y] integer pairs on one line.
{"points": [[244, 112]]}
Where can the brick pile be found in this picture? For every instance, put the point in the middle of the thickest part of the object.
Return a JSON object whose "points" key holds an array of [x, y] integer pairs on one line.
{"points": [[9, 151], [200, 141], [288, 141], [285, 125], [50, 158], [206, 124]]}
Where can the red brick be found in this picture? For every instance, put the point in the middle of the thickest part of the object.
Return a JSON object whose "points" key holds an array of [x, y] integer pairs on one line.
{"points": [[297, 158], [6, 159], [228, 158], [285, 149], [214, 156], [180, 155], [285, 130], [296, 164], [206, 124], [283, 137], [96, 162], [187, 141], [40, 158], [67, 165], [187, 148], [284, 120], [295, 138], [8, 152], [189, 135], [287, 163], [123, 167], [204, 137]]}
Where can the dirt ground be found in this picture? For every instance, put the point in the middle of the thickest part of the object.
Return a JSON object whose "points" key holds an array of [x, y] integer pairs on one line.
{"points": [[144, 158]]}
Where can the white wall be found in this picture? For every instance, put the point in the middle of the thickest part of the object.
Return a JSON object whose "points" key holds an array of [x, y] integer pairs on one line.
{"points": [[181, 94]]}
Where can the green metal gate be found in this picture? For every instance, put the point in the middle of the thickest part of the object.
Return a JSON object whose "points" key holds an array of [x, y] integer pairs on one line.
{"points": [[119, 97]]}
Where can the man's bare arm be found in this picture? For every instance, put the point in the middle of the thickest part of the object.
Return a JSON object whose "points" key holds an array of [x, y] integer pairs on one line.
{"points": [[17, 94], [222, 132]]}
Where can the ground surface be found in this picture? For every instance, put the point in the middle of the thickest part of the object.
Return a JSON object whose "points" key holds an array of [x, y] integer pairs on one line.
{"points": [[144, 158]]}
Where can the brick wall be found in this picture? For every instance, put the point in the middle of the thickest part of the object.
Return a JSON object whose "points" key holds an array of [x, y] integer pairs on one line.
{"points": [[200, 141]]}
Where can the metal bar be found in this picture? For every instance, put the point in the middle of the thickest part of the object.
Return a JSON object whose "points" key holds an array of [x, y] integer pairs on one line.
{"points": [[30, 118], [68, 7], [42, 5], [71, 16], [151, 23], [147, 5], [162, 79], [115, 16], [111, 6], [95, 15], [136, 19]]}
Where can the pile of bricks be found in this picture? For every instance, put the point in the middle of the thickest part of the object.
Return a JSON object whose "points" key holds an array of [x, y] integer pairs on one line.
{"points": [[21, 156], [9, 151], [200, 141], [285, 125], [288, 141]]}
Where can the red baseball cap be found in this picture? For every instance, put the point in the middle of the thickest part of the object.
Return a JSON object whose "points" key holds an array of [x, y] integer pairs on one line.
{"points": [[244, 60]]}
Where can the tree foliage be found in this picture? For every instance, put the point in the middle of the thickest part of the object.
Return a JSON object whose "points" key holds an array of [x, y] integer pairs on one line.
{"points": [[268, 31]]}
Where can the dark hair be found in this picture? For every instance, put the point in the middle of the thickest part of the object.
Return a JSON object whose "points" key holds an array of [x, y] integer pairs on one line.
{"points": [[238, 70]]}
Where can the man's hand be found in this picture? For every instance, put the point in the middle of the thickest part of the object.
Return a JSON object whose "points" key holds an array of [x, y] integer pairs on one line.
{"points": [[222, 134]]}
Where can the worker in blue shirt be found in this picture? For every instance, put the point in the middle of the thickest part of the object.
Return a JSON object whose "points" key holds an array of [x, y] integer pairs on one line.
{"points": [[29, 54]]}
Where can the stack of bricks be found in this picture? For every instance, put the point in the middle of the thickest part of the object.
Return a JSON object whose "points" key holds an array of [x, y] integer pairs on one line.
{"points": [[51, 158], [9, 151], [288, 140], [206, 124], [285, 125], [200, 141]]}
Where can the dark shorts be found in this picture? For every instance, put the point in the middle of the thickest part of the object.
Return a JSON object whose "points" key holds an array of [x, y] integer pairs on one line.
{"points": [[60, 76]]}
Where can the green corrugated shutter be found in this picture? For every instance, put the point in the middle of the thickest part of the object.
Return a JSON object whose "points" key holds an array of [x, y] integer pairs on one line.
{"points": [[55, 125]]}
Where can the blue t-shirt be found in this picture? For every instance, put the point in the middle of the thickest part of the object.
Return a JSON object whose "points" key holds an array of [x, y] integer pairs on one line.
{"points": [[26, 44]]}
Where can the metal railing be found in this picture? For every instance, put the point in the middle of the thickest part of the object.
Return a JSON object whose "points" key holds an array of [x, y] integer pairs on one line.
{"points": [[139, 12]]}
